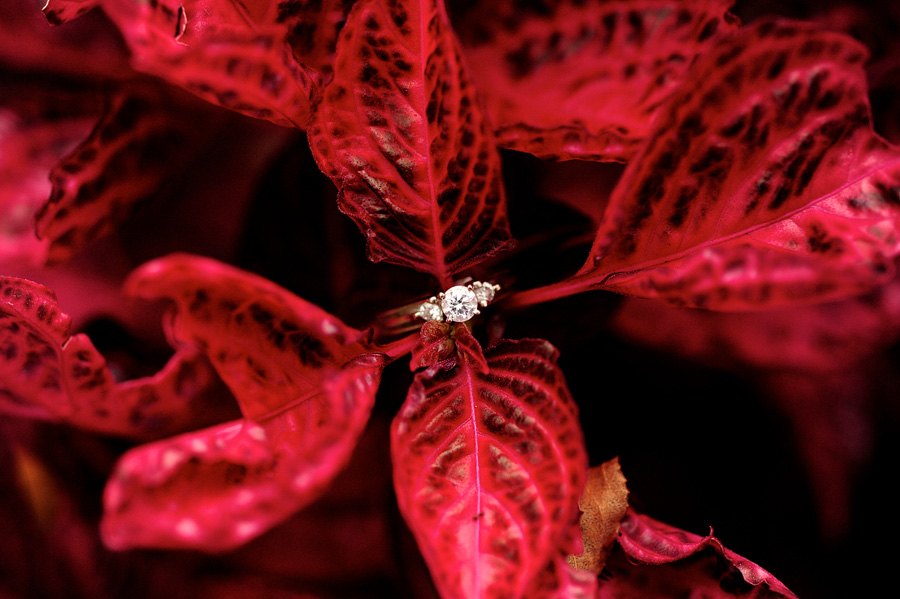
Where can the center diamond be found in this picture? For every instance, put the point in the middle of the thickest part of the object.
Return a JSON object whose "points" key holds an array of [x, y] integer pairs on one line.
{"points": [[459, 304]]}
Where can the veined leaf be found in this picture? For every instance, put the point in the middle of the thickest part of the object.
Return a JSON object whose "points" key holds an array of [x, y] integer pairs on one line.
{"points": [[401, 132], [233, 54], [489, 462], [270, 347], [50, 374], [313, 28], [762, 184], [139, 143], [567, 79], [305, 384]]}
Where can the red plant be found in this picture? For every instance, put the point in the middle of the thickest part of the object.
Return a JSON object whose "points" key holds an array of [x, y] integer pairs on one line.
{"points": [[195, 136]]}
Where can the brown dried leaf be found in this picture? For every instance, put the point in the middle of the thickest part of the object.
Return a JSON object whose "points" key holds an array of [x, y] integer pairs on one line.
{"points": [[603, 503]]}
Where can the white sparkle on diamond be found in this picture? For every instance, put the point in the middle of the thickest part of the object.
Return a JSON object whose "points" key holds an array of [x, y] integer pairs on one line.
{"points": [[459, 304], [431, 312]]}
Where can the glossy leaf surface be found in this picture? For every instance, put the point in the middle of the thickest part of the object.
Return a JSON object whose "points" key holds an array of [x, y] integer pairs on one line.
{"points": [[305, 385], [649, 541], [763, 183], [48, 373], [232, 54], [489, 462], [567, 79], [401, 132], [137, 145]]}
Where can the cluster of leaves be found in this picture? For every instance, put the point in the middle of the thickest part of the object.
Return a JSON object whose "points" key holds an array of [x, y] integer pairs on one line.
{"points": [[754, 181]]}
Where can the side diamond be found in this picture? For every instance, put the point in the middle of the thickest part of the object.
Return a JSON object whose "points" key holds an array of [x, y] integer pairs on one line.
{"points": [[431, 312]]}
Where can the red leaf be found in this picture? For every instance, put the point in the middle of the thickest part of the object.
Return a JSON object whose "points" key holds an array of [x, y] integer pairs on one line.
{"points": [[435, 345], [229, 53], [762, 185], [401, 132], [47, 373], [138, 144], [585, 79], [305, 384], [817, 339], [559, 580], [488, 468], [37, 128], [439, 341], [313, 28], [648, 541], [272, 348], [217, 488], [63, 11]]}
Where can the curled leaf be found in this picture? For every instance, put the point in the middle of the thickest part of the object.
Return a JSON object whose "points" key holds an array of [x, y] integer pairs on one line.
{"points": [[401, 132], [439, 341], [272, 348], [217, 488], [567, 79], [603, 505], [761, 185], [49, 374], [648, 541], [232, 54], [435, 345], [488, 466], [305, 384]]}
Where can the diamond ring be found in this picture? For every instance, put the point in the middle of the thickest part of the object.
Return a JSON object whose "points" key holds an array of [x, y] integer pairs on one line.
{"points": [[459, 303]]}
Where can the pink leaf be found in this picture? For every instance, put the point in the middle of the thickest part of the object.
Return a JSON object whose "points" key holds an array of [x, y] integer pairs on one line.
{"points": [[305, 383], [63, 11], [138, 144], [272, 348], [648, 541], [228, 53], [488, 468], [763, 183], [560, 580], [217, 488], [818, 339], [313, 28], [47, 373], [435, 345], [585, 79], [401, 132], [439, 341], [37, 128]]}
